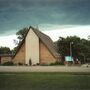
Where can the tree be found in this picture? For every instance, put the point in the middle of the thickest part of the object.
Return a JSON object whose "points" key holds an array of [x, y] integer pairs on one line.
{"points": [[22, 33], [89, 37], [80, 47], [5, 50], [14, 50]]}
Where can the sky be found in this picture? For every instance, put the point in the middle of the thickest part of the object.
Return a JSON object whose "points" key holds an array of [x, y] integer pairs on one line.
{"points": [[53, 17]]}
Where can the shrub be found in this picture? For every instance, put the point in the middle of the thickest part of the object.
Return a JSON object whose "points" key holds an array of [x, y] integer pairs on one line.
{"points": [[9, 63], [43, 64], [38, 64], [30, 62], [20, 64], [57, 63]]}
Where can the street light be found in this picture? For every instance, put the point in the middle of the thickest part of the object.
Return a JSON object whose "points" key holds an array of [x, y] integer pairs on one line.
{"points": [[71, 49]]}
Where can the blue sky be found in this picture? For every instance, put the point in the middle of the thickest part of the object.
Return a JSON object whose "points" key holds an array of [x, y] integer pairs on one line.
{"points": [[53, 17], [16, 14]]}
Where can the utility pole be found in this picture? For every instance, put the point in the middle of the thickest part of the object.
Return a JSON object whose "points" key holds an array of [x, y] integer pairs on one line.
{"points": [[71, 49]]}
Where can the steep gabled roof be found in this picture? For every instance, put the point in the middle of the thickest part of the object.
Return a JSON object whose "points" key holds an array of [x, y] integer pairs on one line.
{"points": [[44, 38], [47, 41]]}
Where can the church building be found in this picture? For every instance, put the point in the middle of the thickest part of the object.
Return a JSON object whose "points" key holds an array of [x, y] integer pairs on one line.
{"points": [[36, 48]]}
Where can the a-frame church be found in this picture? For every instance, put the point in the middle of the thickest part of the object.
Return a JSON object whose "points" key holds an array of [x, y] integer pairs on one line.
{"points": [[36, 48]]}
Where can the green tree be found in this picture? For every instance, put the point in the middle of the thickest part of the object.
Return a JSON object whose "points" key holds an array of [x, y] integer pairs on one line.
{"points": [[14, 50], [89, 37], [5, 50], [22, 33], [80, 47]]}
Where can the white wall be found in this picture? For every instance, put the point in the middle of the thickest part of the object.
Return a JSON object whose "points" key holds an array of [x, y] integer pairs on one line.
{"points": [[32, 47]]}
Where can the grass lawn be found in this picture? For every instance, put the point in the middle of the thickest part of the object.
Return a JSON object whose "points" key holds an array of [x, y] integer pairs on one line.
{"points": [[44, 81]]}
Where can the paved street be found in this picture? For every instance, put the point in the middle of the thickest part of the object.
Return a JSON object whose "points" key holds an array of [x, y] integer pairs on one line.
{"points": [[44, 69]]}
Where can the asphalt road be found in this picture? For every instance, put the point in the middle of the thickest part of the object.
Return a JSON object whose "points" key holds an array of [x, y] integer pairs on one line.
{"points": [[44, 69]]}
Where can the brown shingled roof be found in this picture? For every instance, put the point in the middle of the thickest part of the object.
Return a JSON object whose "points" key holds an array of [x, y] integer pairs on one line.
{"points": [[45, 39]]}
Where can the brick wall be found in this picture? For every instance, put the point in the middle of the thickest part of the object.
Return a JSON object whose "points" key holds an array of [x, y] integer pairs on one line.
{"points": [[5, 59], [20, 56], [45, 55]]}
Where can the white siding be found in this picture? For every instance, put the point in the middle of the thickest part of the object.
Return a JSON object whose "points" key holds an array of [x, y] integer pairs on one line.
{"points": [[32, 47]]}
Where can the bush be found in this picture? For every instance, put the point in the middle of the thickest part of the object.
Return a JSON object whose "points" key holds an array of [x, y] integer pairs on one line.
{"points": [[20, 64], [57, 63], [43, 64], [9, 63], [30, 62], [38, 64]]}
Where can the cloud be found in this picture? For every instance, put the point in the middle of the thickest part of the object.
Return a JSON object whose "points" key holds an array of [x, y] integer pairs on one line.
{"points": [[48, 27], [80, 31], [8, 41], [15, 14], [55, 32]]}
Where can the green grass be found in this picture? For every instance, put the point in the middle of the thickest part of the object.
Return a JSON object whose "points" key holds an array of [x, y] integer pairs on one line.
{"points": [[44, 81]]}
